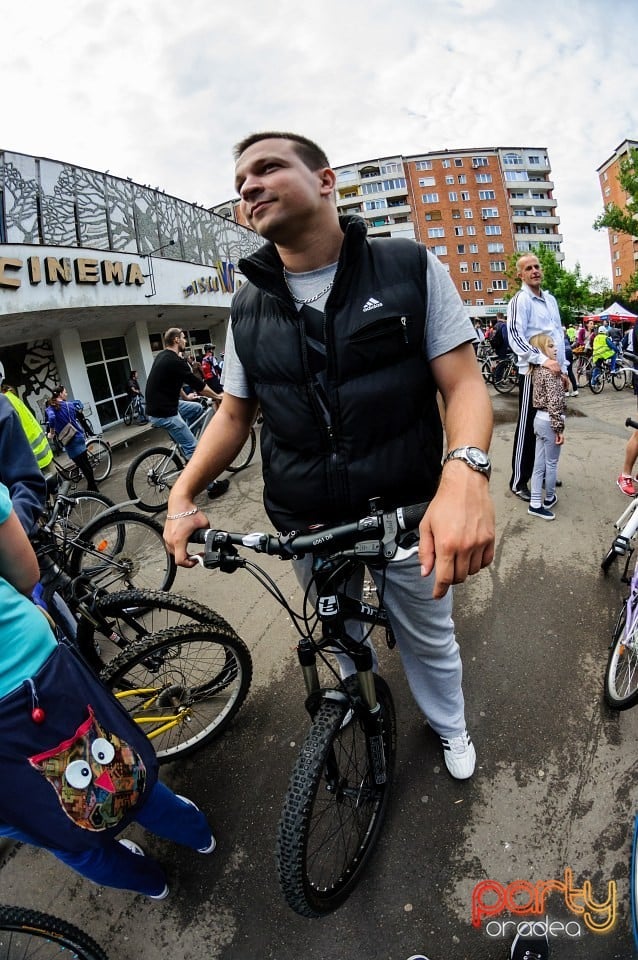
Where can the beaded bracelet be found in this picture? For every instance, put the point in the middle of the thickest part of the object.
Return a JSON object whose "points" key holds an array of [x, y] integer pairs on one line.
{"points": [[184, 513]]}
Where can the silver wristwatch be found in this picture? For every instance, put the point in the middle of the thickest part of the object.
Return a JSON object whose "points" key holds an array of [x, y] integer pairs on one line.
{"points": [[475, 458]]}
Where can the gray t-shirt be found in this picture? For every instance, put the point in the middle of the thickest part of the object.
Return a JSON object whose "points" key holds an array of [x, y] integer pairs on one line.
{"points": [[447, 324]]}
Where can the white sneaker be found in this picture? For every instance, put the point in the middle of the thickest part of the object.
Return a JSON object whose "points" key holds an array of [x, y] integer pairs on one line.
{"points": [[213, 843], [137, 850], [459, 755]]}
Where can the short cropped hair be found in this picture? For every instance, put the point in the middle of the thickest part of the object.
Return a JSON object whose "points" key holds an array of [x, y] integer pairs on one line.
{"points": [[308, 151], [172, 335]]}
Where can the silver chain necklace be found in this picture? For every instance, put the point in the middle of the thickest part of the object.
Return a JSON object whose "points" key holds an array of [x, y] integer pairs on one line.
{"points": [[317, 296]]}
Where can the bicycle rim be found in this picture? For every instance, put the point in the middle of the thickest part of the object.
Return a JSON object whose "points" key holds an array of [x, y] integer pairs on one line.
{"points": [[32, 935], [183, 685], [124, 550], [246, 453], [100, 458], [150, 478], [87, 506], [597, 385], [621, 676], [333, 812], [618, 380]]}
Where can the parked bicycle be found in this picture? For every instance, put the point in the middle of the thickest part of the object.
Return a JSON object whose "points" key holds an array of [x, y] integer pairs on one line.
{"points": [[117, 548], [33, 935], [152, 474], [135, 411], [339, 788], [502, 373]]}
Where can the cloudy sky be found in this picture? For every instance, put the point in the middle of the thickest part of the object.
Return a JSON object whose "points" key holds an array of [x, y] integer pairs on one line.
{"points": [[160, 90]]}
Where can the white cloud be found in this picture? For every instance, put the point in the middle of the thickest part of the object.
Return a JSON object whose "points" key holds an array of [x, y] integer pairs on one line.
{"points": [[160, 90]]}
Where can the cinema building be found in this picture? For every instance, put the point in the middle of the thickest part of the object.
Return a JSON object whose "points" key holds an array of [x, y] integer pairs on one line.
{"points": [[93, 268]]}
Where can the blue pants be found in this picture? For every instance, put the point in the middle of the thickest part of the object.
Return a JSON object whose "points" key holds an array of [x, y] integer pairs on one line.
{"points": [[179, 426], [112, 865]]}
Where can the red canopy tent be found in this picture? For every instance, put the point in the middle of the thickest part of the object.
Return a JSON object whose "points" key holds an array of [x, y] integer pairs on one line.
{"points": [[613, 314]]}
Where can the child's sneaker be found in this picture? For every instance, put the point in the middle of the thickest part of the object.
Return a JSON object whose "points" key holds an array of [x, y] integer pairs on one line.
{"points": [[550, 502], [459, 755], [626, 484], [213, 843], [541, 512], [137, 850]]}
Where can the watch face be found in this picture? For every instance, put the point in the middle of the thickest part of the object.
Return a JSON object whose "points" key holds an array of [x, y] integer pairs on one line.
{"points": [[478, 457]]}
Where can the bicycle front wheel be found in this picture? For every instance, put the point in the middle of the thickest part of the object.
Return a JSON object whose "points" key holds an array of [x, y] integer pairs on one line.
{"points": [[333, 810], [150, 478], [621, 675], [86, 507], [619, 380], [124, 549], [505, 377], [183, 685], [246, 453], [597, 383], [100, 458], [486, 371], [32, 935], [128, 415]]}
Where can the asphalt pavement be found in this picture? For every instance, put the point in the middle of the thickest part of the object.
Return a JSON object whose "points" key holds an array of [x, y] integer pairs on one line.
{"points": [[551, 803]]}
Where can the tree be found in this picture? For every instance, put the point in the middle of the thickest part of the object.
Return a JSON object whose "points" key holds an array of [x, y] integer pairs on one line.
{"points": [[575, 294], [624, 220]]}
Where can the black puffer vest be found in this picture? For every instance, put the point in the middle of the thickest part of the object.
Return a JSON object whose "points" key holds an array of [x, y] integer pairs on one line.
{"points": [[385, 437]]}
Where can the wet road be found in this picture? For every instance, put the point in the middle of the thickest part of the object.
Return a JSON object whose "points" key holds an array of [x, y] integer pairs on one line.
{"points": [[554, 789]]}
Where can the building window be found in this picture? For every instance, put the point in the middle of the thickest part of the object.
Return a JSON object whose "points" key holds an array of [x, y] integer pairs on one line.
{"points": [[473, 248], [497, 266], [458, 231], [471, 231], [499, 284], [107, 365], [487, 212], [461, 178], [492, 230], [446, 164], [618, 272], [439, 250], [465, 285], [487, 195], [496, 248], [435, 232], [467, 303], [374, 204], [516, 175], [423, 165], [483, 177], [468, 213], [460, 248], [449, 180], [615, 238], [607, 191], [476, 266], [430, 197], [478, 284], [513, 159], [480, 303], [616, 254], [434, 215], [479, 161], [533, 160], [463, 267], [392, 167], [456, 213], [458, 162], [427, 181], [453, 196], [465, 196]]}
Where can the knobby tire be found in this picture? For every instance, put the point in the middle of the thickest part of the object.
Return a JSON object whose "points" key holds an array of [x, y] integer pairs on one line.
{"points": [[27, 934], [333, 813]]}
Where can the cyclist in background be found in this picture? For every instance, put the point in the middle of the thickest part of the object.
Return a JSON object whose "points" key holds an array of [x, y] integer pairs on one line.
{"points": [[135, 395]]}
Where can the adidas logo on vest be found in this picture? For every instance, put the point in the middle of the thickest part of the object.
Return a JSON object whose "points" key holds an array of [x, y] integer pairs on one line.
{"points": [[372, 304]]}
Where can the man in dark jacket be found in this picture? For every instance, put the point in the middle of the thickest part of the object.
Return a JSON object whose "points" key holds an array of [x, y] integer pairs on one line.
{"points": [[328, 323], [164, 408]]}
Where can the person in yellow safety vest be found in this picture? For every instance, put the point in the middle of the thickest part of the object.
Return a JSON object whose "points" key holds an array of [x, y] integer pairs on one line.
{"points": [[604, 348], [35, 432]]}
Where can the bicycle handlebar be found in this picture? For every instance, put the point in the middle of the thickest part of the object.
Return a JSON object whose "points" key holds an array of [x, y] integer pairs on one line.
{"points": [[631, 423], [375, 535]]}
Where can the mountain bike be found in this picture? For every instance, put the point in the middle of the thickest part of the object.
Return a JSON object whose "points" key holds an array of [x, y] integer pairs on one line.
{"points": [[604, 374], [100, 458], [152, 474], [33, 935], [135, 411], [339, 789]]}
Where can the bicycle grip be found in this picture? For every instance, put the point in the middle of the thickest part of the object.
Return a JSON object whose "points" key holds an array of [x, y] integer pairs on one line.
{"points": [[410, 517], [631, 423], [198, 536]]}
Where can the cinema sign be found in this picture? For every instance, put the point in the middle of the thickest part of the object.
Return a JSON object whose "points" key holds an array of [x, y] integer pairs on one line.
{"points": [[67, 270]]}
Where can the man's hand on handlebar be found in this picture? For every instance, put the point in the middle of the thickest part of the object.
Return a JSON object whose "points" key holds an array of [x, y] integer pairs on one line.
{"points": [[177, 531]]}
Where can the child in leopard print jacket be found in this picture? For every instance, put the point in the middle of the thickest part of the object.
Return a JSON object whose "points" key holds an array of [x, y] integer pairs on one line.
{"points": [[549, 424]]}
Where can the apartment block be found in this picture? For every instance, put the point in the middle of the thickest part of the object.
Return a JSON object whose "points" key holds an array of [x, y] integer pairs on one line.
{"points": [[623, 249]]}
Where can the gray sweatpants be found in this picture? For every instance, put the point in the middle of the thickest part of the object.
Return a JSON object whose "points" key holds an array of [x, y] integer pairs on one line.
{"points": [[424, 632]]}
